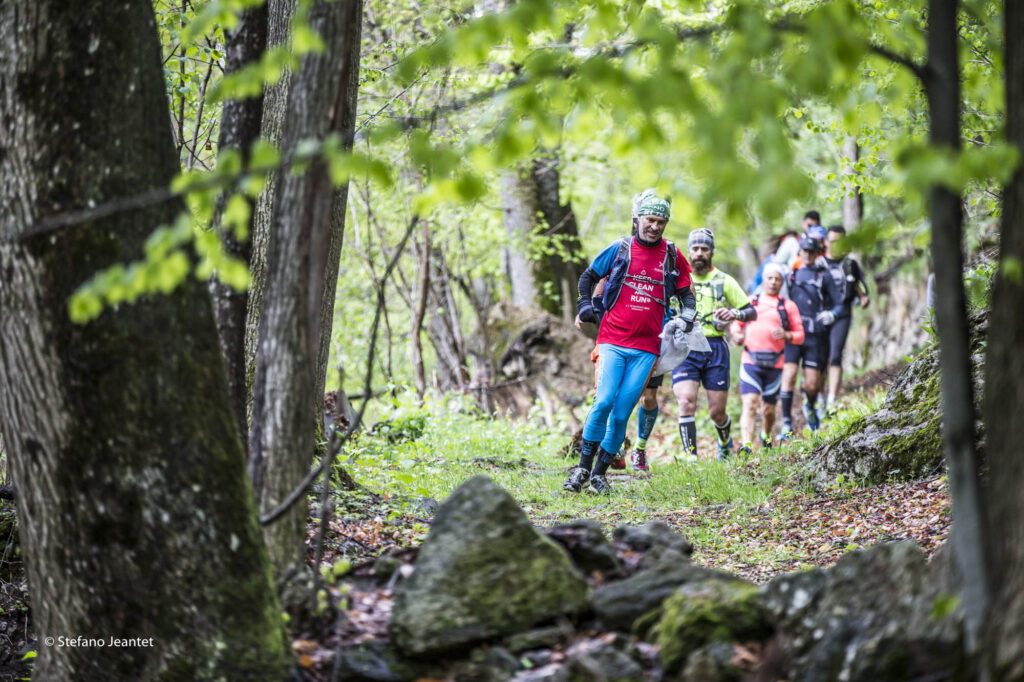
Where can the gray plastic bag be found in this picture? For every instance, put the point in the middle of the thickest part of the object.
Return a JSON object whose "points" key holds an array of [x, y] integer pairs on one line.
{"points": [[676, 344]]}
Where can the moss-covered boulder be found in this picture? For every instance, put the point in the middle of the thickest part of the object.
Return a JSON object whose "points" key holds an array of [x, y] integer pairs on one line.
{"points": [[902, 440], [620, 604], [708, 611], [484, 571]]}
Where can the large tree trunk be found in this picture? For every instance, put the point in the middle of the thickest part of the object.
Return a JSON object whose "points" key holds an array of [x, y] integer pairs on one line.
{"points": [[942, 86], [853, 204], [286, 409], [136, 516], [519, 215], [1004, 392], [240, 124], [561, 267]]}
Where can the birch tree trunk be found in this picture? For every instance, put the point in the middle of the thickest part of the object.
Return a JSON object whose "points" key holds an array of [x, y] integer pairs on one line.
{"points": [[136, 516], [303, 238]]}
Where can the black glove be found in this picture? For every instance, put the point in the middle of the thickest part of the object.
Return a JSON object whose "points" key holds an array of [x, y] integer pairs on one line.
{"points": [[689, 315], [592, 312]]}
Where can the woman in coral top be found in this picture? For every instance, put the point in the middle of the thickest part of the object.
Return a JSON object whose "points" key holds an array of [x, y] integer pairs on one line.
{"points": [[763, 340]]}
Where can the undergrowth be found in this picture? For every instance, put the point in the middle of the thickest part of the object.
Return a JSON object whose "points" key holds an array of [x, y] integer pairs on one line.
{"points": [[424, 454]]}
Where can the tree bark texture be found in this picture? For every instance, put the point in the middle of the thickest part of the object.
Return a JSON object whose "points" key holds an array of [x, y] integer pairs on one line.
{"points": [[1004, 393], [519, 214], [136, 516], [275, 104], [240, 124], [347, 128], [286, 410], [560, 266], [853, 206], [942, 86]]}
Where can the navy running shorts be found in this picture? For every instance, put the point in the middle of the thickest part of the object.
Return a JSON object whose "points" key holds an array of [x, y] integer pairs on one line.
{"points": [[761, 380], [711, 369], [813, 351]]}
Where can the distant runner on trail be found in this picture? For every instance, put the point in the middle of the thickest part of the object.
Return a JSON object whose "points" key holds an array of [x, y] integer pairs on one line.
{"points": [[720, 300], [764, 340], [853, 288], [644, 273], [815, 294]]}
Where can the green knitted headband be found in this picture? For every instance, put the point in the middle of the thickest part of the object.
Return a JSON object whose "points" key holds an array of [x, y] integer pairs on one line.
{"points": [[655, 205]]}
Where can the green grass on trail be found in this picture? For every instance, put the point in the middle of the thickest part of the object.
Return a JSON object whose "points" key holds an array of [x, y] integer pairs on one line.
{"points": [[754, 517], [526, 460]]}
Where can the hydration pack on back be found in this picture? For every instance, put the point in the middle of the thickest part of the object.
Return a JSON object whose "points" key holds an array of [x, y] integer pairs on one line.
{"points": [[620, 267]]}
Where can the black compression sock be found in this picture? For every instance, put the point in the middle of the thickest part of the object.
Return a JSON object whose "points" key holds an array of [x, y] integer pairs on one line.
{"points": [[723, 430], [688, 434], [587, 450], [604, 460], [787, 405], [809, 399]]}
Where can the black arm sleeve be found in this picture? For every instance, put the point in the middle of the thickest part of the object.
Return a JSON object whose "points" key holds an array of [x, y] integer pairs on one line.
{"points": [[859, 274], [686, 298], [588, 280], [747, 313]]}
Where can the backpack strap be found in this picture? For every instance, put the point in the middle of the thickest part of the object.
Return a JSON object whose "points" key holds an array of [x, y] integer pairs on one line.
{"points": [[783, 315], [781, 307]]}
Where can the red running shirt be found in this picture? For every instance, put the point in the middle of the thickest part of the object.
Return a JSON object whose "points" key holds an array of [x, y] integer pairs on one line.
{"points": [[635, 320]]}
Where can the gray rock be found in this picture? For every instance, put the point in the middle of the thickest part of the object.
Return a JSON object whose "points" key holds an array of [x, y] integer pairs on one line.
{"points": [[655, 534], [553, 672], [876, 615], [902, 440], [541, 638], [712, 663], [377, 661], [619, 604], [489, 664], [587, 546], [484, 571], [603, 664]]}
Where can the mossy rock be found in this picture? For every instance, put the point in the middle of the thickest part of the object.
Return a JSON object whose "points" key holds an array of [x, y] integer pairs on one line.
{"points": [[704, 612], [484, 571], [903, 439]]}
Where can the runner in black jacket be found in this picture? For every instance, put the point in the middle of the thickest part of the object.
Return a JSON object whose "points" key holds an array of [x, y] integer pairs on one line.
{"points": [[819, 301]]}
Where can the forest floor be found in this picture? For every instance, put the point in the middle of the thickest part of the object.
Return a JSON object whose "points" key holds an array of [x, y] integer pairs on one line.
{"points": [[756, 517]]}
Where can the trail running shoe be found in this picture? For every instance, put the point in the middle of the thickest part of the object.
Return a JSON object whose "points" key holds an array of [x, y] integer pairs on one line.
{"points": [[599, 485], [725, 451], [745, 450], [618, 463], [766, 441], [577, 481], [812, 418], [638, 459], [786, 433]]}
